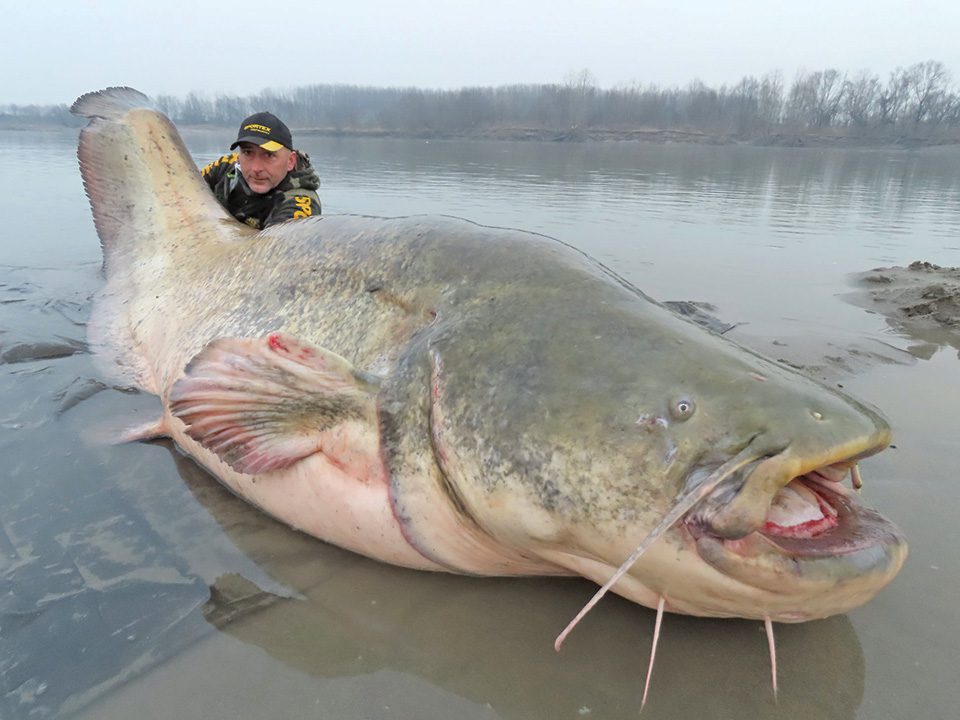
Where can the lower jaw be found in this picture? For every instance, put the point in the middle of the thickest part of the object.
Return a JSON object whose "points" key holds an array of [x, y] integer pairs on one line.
{"points": [[805, 587], [802, 578]]}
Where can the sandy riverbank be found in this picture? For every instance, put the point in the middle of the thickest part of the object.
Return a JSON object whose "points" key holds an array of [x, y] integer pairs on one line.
{"points": [[921, 300]]}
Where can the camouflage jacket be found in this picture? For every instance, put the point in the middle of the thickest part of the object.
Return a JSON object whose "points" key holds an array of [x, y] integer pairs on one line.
{"points": [[295, 196]]}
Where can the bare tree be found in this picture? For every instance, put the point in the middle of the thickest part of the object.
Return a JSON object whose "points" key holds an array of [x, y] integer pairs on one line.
{"points": [[926, 88], [828, 97], [581, 91], [893, 98], [700, 106], [771, 99], [861, 98], [918, 99], [745, 104], [815, 99], [195, 110], [801, 101]]}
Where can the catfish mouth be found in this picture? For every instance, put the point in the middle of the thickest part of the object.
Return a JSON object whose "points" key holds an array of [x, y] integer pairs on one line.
{"points": [[812, 514], [815, 536]]}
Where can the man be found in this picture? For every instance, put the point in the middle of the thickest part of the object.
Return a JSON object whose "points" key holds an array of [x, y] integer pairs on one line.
{"points": [[266, 181]]}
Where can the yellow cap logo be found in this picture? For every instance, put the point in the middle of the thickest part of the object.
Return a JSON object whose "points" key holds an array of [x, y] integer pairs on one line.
{"points": [[257, 128]]}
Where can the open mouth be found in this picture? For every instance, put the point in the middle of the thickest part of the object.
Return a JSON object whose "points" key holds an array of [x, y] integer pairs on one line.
{"points": [[813, 513], [814, 529], [799, 511], [785, 526], [817, 508], [817, 514]]}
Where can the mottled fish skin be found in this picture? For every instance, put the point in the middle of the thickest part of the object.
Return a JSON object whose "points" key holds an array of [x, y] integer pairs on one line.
{"points": [[527, 411]]}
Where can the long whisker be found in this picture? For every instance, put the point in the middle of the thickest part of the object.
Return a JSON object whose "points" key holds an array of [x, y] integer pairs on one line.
{"points": [[768, 624], [680, 508], [653, 649]]}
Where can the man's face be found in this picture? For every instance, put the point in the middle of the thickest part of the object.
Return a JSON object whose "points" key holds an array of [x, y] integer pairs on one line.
{"points": [[264, 170]]}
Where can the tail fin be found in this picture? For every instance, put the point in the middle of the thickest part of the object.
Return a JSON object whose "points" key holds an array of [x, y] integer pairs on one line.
{"points": [[109, 103], [140, 177], [153, 213]]}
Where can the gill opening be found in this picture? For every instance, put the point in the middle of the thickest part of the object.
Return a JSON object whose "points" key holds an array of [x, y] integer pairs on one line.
{"points": [[435, 420]]}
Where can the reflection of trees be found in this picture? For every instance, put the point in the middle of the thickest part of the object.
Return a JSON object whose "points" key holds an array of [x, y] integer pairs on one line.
{"points": [[916, 101]]}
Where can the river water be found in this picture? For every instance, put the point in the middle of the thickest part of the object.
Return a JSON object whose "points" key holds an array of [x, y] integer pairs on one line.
{"points": [[132, 585]]}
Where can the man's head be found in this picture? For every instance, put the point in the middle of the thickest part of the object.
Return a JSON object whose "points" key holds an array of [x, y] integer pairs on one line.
{"points": [[266, 151]]}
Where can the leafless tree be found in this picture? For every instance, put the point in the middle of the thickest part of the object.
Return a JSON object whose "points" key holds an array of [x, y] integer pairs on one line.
{"points": [[893, 98], [860, 98], [770, 106], [913, 101], [926, 89], [815, 99], [745, 105]]}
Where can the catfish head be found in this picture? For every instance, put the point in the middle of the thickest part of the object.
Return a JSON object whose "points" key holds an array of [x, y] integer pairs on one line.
{"points": [[623, 427]]}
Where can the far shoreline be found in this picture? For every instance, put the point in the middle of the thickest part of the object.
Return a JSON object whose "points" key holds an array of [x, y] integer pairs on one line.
{"points": [[654, 136], [657, 136]]}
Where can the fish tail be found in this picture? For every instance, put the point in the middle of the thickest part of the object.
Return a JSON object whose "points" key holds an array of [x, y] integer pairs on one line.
{"points": [[109, 103], [140, 178], [153, 213]]}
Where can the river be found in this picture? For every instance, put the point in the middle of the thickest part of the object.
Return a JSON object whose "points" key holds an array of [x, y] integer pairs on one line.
{"points": [[133, 585]]}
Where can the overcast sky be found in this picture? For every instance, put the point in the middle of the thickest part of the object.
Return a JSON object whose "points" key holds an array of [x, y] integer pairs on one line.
{"points": [[55, 50]]}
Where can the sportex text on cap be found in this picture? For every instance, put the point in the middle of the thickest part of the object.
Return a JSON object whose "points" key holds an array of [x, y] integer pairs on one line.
{"points": [[265, 130]]}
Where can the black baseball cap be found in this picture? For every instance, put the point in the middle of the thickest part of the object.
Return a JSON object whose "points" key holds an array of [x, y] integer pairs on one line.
{"points": [[265, 130]]}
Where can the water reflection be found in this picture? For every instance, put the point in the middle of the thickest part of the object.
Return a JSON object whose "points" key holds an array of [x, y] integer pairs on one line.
{"points": [[931, 339], [794, 191], [788, 191]]}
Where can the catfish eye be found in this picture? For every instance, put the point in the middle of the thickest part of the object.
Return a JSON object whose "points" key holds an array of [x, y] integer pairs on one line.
{"points": [[682, 408]]}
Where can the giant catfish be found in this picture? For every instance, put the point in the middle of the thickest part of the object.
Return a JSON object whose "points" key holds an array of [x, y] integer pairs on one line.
{"points": [[446, 396]]}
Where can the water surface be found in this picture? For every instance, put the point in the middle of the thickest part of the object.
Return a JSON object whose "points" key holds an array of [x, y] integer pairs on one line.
{"points": [[132, 585]]}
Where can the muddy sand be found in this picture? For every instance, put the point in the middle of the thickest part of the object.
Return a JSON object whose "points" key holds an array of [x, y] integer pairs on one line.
{"points": [[921, 300]]}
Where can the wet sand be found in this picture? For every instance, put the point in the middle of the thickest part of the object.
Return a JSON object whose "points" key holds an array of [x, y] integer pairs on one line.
{"points": [[921, 299]]}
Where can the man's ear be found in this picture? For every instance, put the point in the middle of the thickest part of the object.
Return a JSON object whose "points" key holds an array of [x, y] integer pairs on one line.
{"points": [[292, 160]]}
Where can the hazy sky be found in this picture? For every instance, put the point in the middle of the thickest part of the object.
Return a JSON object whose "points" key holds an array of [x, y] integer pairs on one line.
{"points": [[54, 50]]}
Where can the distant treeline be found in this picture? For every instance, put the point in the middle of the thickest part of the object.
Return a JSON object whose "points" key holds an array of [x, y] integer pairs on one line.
{"points": [[916, 102]]}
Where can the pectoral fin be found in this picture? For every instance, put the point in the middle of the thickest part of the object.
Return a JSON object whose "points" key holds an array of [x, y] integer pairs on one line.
{"points": [[263, 404]]}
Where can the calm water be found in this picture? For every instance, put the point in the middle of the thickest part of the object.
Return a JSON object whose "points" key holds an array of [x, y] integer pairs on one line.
{"points": [[132, 585]]}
